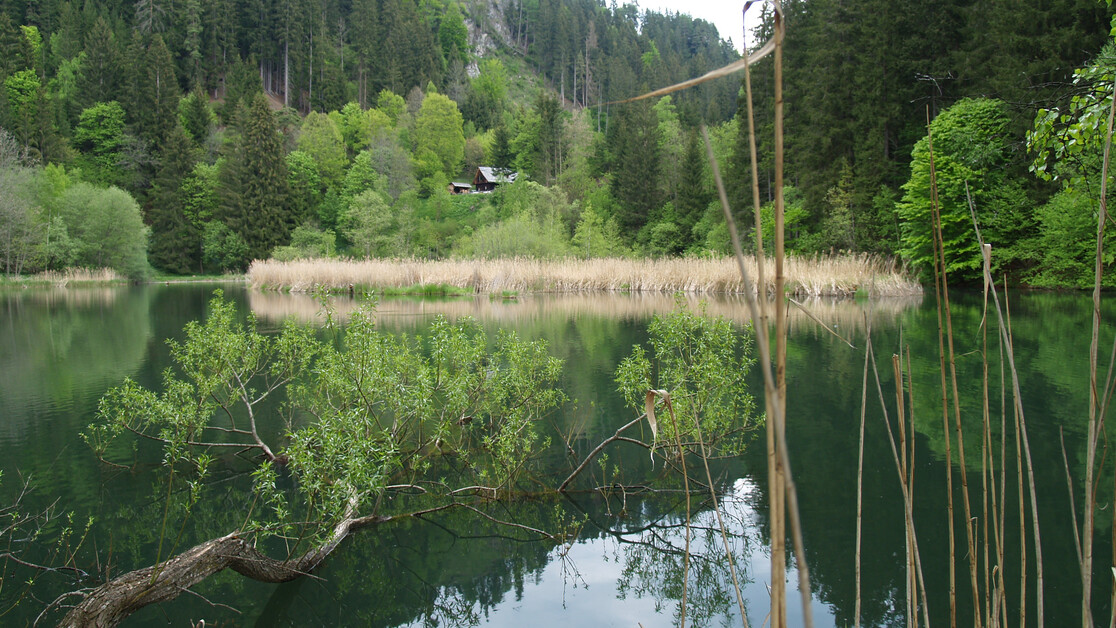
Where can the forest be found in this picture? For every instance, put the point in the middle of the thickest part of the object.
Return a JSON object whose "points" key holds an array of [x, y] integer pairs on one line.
{"points": [[185, 138]]}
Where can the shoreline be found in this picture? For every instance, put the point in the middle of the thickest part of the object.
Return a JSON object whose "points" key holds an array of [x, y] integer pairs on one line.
{"points": [[830, 276]]}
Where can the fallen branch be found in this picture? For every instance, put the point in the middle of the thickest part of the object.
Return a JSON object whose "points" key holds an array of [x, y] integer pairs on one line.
{"points": [[117, 599], [593, 454]]}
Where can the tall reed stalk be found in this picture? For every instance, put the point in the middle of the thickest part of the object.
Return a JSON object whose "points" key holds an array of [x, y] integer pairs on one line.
{"points": [[1025, 462], [860, 470], [938, 271], [1094, 397]]}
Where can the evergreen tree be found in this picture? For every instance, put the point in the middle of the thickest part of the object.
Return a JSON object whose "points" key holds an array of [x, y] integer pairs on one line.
{"points": [[502, 155], [693, 194], [254, 183], [197, 117], [101, 69], [635, 165], [159, 94], [175, 241]]}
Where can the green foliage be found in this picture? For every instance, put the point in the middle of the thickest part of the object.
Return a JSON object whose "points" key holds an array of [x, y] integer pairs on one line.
{"points": [[452, 34], [175, 238], [368, 223], [971, 147], [520, 235], [438, 128], [487, 95], [635, 165], [358, 127], [321, 140], [376, 408], [1067, 141], [1067, 245], [702, 362], [23, 92], [99, 135], [597, 235], [392, 105], [223, 248], [196, 116], [254, 182], [838, 228], [307, 242], [304, 186], [20, 235], [106, 229]]}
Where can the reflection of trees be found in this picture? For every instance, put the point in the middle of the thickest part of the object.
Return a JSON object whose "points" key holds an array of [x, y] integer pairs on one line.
{"points": [[60, 343], [1051, 340]]}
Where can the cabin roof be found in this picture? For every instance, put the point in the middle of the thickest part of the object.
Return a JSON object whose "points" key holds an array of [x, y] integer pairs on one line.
{"points": [[492, 174]]}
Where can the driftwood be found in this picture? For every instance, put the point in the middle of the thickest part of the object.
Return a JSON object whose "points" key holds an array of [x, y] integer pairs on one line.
{"points": [[115, 600]]}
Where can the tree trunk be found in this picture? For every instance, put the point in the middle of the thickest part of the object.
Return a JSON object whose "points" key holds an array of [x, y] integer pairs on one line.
{"points": [[112, 602]]}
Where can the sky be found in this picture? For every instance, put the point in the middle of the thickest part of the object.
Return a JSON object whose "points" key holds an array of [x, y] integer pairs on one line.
{"points": [[725, 15]]}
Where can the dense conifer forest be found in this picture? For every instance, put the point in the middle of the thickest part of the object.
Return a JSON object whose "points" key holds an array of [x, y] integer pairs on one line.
{"points": [[194, 137]]}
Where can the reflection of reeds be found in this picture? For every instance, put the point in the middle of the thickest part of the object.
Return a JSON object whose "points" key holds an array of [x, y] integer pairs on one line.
{"points": [[840, 275], [83, 296], [845, 315]]}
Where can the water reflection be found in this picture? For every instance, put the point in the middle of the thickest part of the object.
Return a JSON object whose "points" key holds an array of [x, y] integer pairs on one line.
{"points": [[845, 316], [60, 350]]}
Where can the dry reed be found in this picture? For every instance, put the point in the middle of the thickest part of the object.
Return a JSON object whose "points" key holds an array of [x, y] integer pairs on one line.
{"points": [[839, 275], [79, 275]]}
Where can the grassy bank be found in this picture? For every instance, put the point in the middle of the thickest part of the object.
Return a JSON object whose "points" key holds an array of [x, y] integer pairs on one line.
{"points": [[845, 275]]}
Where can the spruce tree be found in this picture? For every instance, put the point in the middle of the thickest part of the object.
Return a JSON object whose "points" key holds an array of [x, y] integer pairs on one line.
{"points": [[693, 196], [175, 241], [254, 186], [100, 70], [197, 116], [635, 165], [159, 94]]}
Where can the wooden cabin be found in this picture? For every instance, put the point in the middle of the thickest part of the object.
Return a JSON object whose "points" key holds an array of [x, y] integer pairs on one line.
{"points": [[488, 177], [457, 187]]}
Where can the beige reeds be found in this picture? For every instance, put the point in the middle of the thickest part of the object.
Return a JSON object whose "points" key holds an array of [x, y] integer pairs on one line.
{"points": [[840, 275], [79, 275], [1094, 397]]}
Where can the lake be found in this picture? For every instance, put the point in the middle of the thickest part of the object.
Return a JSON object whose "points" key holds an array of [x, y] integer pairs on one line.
{"points": [[62, 349]]}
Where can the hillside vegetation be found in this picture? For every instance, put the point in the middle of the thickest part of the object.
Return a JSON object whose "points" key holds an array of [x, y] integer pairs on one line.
{"points": [[236, 130]]}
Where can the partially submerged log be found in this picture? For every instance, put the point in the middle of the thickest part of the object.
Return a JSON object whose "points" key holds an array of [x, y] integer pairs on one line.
{"points": [[112, 602]]}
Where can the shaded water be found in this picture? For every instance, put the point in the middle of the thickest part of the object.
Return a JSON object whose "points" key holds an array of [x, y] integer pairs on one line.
{"points": [[61, 350]]}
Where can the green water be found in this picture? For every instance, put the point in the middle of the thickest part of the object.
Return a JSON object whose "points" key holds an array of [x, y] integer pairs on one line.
{"points": [[60, 350]]}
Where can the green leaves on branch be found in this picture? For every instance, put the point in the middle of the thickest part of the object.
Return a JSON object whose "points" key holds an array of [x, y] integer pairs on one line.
{"points": [[1067, 142], [702, 363], [361, 413]]}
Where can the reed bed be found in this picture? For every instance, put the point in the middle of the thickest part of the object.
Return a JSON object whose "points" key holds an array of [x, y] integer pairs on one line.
{"points": [[837, 275], [78, 275]]}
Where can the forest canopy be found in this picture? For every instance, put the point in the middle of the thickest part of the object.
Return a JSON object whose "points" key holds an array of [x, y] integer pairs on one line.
{"points": [[244, 134]]}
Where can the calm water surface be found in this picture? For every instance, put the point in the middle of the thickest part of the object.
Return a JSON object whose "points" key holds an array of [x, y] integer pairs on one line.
{"points": [[60, 350]]}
